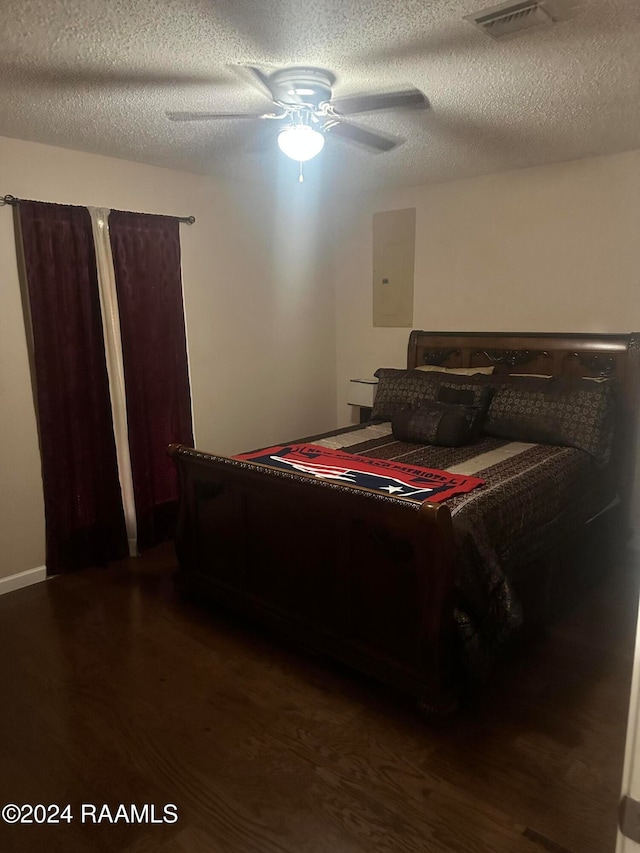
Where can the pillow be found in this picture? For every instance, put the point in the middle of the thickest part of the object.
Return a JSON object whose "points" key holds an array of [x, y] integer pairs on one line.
{"points": [[402, 389], [461, 371], [444, 424], [567, 412], [465, 394], [475, 397], [406, 389]]}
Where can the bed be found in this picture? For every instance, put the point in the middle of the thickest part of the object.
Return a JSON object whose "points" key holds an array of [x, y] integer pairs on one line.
{"points": [[426, 595]]}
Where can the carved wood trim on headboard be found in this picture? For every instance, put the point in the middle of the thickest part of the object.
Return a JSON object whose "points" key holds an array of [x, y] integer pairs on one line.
{"points": [[511, 357], [552, 353], [601, 365], [438, 356]]}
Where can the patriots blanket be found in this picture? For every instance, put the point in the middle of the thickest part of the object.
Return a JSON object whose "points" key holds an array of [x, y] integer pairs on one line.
{"points": [[410, 482]]}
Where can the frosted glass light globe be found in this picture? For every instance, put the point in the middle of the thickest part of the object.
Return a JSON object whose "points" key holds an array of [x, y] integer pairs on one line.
{"points": [[300, 142]]}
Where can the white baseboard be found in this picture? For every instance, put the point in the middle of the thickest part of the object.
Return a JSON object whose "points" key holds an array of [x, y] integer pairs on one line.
{"points": [[20, 579]]}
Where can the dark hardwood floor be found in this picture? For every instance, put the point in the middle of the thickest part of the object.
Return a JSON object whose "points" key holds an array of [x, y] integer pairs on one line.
{"points": [[114, 690]]}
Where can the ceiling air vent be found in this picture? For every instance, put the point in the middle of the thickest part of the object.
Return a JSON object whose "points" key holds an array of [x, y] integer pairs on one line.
{"points": [[510, 18]]}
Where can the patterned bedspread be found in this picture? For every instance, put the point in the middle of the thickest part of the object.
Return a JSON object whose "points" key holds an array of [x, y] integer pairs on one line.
{"points": [[534, 494]]}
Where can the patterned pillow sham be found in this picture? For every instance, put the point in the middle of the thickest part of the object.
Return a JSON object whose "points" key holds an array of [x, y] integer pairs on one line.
{"points": [[407, 389], [402, 389], [575, 413], [442, 424]]}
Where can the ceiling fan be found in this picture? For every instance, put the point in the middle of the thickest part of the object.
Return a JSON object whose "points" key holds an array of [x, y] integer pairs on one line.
{"points": [[307, 111]]}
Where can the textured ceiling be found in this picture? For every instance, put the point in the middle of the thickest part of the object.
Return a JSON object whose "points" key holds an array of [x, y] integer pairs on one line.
{"points": [[98, 76]]}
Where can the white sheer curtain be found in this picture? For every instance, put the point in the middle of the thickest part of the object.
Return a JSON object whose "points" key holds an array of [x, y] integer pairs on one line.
{"points": [[115, 367]]}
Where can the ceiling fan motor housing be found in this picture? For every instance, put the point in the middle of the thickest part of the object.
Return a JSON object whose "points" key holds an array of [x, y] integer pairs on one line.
{"points": [[309, 87]]}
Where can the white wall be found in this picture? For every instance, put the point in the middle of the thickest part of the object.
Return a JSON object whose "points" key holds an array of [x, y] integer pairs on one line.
{"points": [[552, 248], [259, 308]]}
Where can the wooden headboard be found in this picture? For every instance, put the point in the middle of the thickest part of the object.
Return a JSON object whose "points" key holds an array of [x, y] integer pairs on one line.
{"points": [[549, 353]]}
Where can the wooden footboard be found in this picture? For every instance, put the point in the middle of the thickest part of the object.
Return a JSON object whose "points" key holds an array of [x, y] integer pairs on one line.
{"points": [[364, 578]]}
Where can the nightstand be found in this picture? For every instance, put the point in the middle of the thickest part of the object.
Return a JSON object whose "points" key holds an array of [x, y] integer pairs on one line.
{"points": [[362, 393]]}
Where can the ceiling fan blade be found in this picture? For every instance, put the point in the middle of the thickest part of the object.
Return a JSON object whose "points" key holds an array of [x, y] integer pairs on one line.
{"points": [[260, 80], [412, 98], [354, 133], [211, 116]]}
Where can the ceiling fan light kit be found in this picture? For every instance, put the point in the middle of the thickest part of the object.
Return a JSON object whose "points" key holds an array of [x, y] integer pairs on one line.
{"points": [[305, 102], [300, 142]]}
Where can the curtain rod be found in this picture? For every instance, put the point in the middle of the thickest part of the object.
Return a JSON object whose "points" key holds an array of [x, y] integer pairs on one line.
{"points": [[12, 200]]}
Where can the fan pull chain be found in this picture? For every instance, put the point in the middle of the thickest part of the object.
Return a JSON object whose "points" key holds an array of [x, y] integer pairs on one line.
{"points": [[301, 176]]}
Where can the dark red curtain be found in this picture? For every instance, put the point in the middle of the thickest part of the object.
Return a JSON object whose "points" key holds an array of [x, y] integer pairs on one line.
{"points": [[83, 504], [146, 258]]}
